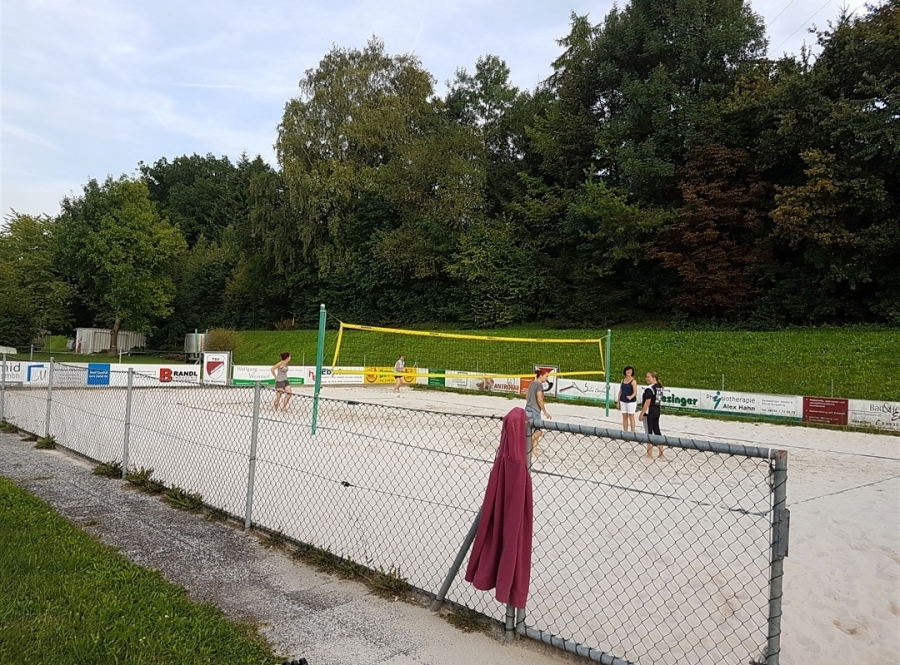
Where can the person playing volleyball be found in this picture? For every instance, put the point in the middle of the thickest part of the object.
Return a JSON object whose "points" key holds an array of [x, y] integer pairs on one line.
{"points": [[282, 387], [534, 405], [399, 366]]}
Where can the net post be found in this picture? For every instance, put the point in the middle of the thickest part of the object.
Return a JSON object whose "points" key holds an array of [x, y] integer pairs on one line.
{"points": [[337, 346], [606, 368], [320, 351]]}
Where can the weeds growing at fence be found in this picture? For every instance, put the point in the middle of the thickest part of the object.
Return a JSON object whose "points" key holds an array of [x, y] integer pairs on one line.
{"points": [[139, 477], [46, 443], [386, 584], [8, 428], [80, 601], [182, 499], [469, 621], [108, 469], [30, 438]]}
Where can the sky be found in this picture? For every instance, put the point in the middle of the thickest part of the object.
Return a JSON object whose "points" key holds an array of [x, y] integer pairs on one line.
{"points": [[92, 88]]}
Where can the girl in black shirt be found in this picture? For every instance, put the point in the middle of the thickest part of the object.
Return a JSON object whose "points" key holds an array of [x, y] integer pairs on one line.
{"points": [[650, 411]]}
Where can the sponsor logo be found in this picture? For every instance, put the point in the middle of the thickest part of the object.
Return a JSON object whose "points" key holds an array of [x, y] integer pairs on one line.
{"points": [[675, 400], [214, 367], [98, 374], [167, 375], [37, 373]]}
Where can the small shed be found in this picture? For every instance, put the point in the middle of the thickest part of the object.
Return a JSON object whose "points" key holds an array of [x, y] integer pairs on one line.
{"points": [[96, 340]]}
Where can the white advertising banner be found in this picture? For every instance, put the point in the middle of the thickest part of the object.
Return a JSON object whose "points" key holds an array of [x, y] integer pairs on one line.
{"points": [[247, 375], [355, 376], [780, 406], [591, 390], [678, 398], [866, 413], [216, 367], [15, 371]]}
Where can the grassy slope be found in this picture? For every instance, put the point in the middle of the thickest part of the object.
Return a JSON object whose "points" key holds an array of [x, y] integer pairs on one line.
{"points": [[67, 598], [863, 363]]}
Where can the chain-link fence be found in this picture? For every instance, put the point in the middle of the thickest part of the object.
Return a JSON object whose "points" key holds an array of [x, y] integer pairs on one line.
{"points": [[634, 560]]}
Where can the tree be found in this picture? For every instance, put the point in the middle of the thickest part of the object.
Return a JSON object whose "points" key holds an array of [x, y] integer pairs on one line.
{"points": [[719, 239], [34, 296], [118, 253], [195, 193]]}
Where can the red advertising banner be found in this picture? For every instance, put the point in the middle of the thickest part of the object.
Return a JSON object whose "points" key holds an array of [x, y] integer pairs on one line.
{"points": [[826, 410]]}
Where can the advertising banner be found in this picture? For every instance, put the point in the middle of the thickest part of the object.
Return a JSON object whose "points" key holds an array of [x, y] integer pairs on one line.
{"points": [[247, 375], [330, 378], [378, 375], [15, 371], [590, 390], [825, 410], [436, 380], [866, 413], [216, 367], [36, 374], [678, 398], [98, 374]]}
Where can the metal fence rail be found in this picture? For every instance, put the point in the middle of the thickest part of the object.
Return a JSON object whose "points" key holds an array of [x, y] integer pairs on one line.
{"points": [[634, 561]]}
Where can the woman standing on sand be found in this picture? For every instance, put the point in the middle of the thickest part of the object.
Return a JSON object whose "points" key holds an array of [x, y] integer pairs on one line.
{"points": [[282, 387], [628, 398], [650, 411]]}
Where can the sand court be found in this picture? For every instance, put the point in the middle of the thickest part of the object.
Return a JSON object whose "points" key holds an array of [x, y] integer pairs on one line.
{"points": [[651, 561]]}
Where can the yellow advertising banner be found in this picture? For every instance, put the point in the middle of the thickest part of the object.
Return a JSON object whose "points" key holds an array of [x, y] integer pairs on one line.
{"points": [[383, 375]]}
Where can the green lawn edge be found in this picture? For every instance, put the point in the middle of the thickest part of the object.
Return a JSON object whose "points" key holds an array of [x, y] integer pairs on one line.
{"points": [[65, 597]]}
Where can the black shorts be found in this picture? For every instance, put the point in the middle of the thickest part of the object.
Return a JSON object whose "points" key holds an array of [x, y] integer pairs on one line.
{"points": [[281, 385]]}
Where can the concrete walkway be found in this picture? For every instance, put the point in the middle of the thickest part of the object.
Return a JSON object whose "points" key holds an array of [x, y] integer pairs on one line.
{"points": [[301, 612]]}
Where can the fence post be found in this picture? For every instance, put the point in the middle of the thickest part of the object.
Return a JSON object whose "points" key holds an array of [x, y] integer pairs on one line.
{"points": [[49, 401], [320, 353], [781, 521], [127, 422], [3, 390], [457, 563], [509, 629], [251, 473]]}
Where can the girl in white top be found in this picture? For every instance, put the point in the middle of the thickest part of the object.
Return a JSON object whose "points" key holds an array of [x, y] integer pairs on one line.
{"points": [[398, 372]]}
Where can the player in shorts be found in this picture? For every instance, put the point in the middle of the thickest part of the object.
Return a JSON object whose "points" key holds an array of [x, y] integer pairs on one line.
{"points": [[534, 405], [399, 366], [628, 398], [282, 387]]}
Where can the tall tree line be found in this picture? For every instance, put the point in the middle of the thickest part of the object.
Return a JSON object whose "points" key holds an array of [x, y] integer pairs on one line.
{"points": [[665, 170]]}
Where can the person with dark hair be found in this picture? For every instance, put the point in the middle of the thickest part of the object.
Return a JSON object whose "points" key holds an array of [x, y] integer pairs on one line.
{"points": [[650, 411], [399, 368], [628, 398], [534, 405], [282, 387]]}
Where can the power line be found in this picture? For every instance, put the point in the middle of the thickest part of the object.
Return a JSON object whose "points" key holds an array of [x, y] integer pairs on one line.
{"points": [[802, 25], [780, 13]]}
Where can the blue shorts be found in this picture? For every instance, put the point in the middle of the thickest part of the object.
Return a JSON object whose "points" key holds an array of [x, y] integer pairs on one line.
{"points": [[532, 413]]}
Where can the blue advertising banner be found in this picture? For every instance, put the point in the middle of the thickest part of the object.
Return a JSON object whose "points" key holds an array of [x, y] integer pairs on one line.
{"points": [[98, 374]]}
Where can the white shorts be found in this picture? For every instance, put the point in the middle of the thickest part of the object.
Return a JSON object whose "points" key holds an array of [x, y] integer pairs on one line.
{"points": [[628, 407]]}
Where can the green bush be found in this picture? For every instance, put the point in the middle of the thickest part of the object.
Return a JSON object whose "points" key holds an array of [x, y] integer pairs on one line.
{"points": [[222, 339]]}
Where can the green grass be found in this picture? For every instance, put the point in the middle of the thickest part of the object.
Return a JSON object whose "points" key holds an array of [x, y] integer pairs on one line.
{"points": [[864, 363], [67, 598]]}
